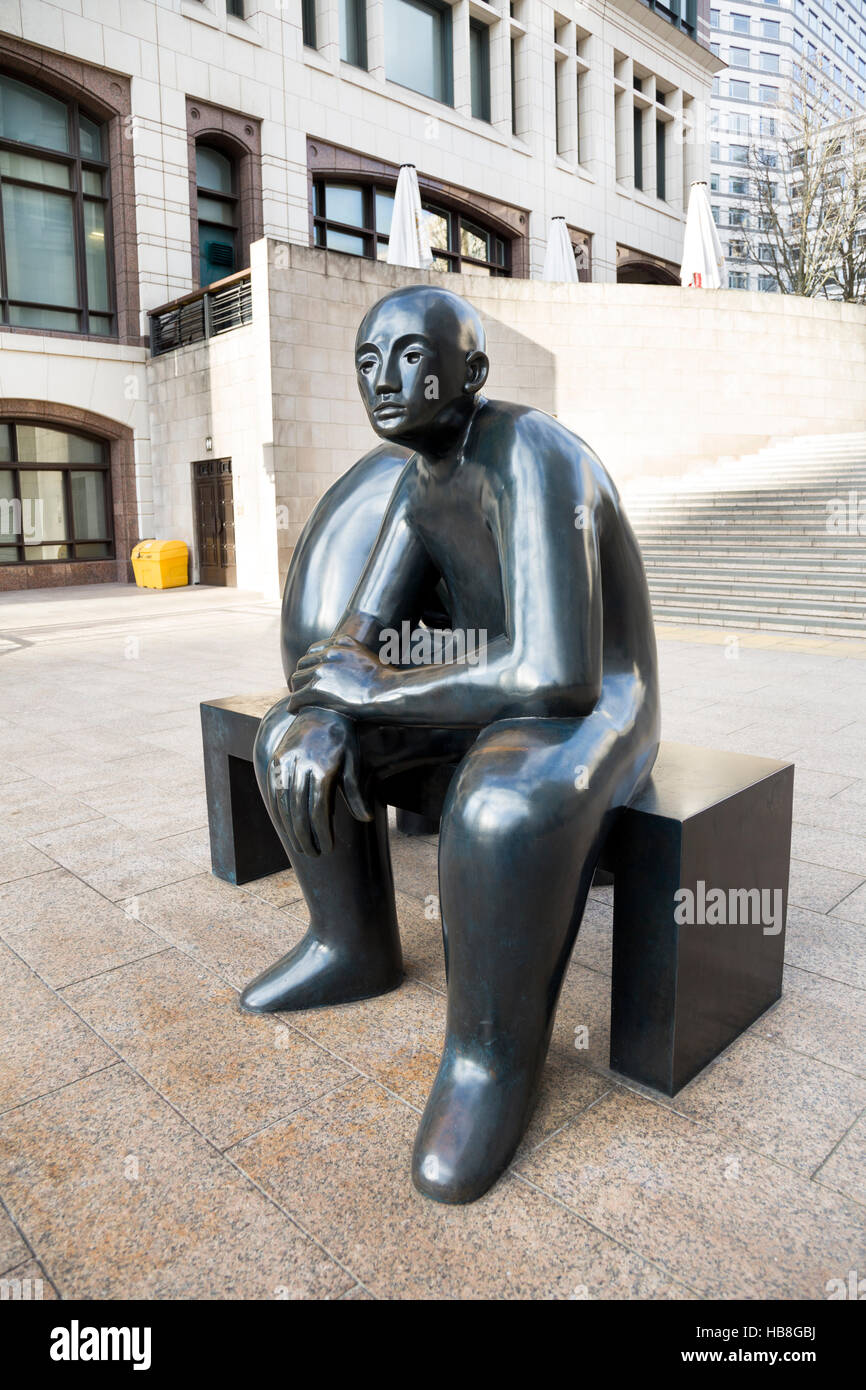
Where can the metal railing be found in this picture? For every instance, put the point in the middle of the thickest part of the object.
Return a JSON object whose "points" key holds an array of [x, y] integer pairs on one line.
{"points": [[204, 314]]}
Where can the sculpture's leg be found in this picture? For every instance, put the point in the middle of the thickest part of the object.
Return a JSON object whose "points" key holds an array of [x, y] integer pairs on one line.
{"points": [[352, 948], [521, 832]]}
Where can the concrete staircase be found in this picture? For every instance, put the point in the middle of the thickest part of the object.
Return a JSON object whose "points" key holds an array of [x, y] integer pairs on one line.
{"points": [[747, 544]]}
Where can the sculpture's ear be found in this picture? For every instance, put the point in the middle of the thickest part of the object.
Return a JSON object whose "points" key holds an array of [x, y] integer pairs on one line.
{"points": [[477, 367]]}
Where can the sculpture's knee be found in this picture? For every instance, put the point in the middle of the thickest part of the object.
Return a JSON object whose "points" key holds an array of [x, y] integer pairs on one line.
{"points": [[487, 810], [270, 733]]}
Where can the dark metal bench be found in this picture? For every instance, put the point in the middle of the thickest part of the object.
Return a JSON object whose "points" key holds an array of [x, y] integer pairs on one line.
{"points": [[682, 990]]}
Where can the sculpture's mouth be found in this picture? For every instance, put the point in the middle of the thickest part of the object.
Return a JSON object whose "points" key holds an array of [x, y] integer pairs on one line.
{"points": [[388, 413]]}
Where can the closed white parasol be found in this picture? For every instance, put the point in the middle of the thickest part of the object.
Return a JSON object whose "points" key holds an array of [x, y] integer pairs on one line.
{"points": [[703, 262], [409, 243]]}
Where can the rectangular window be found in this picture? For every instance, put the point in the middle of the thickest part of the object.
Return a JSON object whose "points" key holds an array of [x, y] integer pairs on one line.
{"points": [[54, 496], [769, 95], [418, 47], [661, 176], [479, 68], [737, 280], [236, 8], [514, 87], [308, 23], [638, 148], [738, 154], [769, 62], [738, 186], [353, 32], [739, 90], [738, 57], [770, 28], [740, 23]]}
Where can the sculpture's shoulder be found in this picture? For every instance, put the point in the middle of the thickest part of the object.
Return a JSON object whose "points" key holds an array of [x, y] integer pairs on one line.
{"points": [[367, 485], [514, 438], [374, 473]]}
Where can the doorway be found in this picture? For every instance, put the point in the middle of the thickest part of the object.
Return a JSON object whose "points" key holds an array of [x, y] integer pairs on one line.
{"points": [[215, 521]]}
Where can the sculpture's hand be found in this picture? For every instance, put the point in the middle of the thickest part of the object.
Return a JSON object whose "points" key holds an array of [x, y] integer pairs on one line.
{"points": [[340, 675], [318, 753]]}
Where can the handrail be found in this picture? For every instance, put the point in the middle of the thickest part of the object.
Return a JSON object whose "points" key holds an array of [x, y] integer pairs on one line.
{"points": [[201, 314]]}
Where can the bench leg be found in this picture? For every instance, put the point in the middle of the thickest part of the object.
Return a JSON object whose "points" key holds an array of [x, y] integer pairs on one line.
{"points": [[683, 990], [243, 842], [411, 823]]}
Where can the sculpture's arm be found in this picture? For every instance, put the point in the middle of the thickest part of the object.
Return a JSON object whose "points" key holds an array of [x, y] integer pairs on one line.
{"points": [[396, 579], [548, 661]]}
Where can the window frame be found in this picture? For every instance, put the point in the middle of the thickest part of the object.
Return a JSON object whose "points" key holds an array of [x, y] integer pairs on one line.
{"points": [[482, 36], [78, 165], [17, 467], [372, 238], [446, 42], [233, 199]]}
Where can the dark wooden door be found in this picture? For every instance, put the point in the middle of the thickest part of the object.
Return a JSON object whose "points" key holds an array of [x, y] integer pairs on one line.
{"points": [[215, 521]]}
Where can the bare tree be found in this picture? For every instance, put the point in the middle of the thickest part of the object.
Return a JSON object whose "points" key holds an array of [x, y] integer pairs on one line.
{"points": [[808, 200]]}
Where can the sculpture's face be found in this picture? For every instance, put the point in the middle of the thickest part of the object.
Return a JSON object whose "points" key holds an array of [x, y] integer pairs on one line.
{"points": [[418, 368]]}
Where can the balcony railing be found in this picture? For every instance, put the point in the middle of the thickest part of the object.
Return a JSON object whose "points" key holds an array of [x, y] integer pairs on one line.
{"points": [[203, 314]]}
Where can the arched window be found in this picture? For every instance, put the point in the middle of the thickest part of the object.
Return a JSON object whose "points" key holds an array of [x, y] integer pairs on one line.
{"points": [[217, 201], [55, 252], [55, 495], [356, 218]]}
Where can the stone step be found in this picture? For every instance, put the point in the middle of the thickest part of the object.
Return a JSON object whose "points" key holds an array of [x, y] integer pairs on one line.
{"points": [[852, 590], [709, 601], [742, 618]]}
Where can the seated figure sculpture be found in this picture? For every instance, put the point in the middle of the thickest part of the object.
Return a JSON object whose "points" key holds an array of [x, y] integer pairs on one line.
{"points": [[499, 521]]}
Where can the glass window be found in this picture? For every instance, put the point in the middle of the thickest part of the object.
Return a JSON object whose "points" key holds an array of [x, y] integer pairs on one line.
{"points": [[479, 68], [217, 212], [56, 254], [769, 95], [356, 219], [32, 117], [769, 62], [739, 57], [353, 32], [714, 19], [740, 23], [739, 90], [418, 47], [738, 154], [661, 162], [770, 29], [308, 23], [54, 495]]}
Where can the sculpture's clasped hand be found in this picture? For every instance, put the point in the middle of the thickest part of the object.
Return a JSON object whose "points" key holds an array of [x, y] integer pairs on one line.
{"points": [[318, 753], [340, 675]]}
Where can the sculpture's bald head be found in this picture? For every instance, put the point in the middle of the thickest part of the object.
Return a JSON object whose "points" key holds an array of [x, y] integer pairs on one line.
{"points": [[420, 359]]}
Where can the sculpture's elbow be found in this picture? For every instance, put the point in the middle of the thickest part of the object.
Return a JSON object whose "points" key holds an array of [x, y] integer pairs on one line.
{"points": [[552, 695]]}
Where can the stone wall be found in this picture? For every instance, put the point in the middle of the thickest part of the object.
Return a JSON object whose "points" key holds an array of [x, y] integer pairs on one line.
{"points": [[658, 381]]}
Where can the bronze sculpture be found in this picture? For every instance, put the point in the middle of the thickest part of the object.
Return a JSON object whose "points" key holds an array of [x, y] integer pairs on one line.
{"points": [[498, 521]]}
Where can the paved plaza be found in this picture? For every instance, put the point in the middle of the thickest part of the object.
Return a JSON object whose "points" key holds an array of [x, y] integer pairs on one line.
{"points": [[157, 1143]]}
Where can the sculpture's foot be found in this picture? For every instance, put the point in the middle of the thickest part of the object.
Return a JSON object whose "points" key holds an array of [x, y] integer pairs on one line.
{"points": [[473, 1122], [315, 975]]}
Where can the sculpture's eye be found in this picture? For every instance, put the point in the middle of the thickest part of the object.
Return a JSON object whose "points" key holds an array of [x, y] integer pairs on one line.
{"points": [[413, 356], [367, 365]]}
